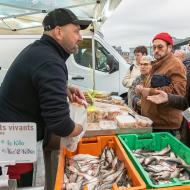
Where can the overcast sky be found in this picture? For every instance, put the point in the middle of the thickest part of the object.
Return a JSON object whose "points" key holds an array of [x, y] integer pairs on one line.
{"points": [[135, 22]]}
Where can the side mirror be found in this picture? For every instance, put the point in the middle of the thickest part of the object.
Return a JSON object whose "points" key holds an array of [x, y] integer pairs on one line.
{"points": [[112, 63]]}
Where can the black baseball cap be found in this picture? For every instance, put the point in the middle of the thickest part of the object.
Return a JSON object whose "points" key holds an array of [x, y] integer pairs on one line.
{"points": [[61, 17]]}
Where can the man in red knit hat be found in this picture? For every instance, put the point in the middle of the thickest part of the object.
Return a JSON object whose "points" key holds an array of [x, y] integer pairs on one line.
{"points": [[167, 74]]}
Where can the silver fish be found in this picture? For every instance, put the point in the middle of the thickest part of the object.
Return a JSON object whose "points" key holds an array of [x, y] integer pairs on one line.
{"points": [[73, 186], [162, 175], [78, 157], [149, 160], [162, 152], [175, 174]]}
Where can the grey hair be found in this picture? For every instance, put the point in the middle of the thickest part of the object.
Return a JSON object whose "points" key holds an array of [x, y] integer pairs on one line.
{"points": [[147, 58]]}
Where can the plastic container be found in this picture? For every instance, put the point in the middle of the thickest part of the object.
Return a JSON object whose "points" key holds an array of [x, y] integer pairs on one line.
{"points": [[125, 121], [94, 146], [183, 187], [156, 142]]}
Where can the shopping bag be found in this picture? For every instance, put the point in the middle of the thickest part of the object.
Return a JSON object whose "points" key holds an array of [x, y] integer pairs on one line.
{"points": [[78, 114]]}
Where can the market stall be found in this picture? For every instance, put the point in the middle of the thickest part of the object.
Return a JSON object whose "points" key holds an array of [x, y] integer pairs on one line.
{"points": [[107, 139], [107, 116]]}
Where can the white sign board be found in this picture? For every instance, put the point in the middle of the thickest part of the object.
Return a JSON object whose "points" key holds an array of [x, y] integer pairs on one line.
{"points": [[18, 142]]}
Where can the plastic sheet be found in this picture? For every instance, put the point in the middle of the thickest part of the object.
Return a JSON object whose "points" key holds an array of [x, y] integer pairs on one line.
{"points": [[79, 115]]}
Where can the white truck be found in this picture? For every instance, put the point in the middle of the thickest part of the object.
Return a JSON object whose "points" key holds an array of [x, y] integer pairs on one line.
{"points": [[96, 64]]}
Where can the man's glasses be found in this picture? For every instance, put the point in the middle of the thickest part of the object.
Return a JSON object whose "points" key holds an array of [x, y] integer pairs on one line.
{"points": [[159, 47]]}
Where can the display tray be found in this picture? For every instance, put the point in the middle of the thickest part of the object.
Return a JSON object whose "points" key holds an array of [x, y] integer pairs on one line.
{"points": [[117, 131], [94, 146], [156, 142]]}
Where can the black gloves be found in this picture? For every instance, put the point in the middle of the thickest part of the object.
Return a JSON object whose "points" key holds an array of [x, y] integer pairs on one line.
{"points": [[160, 81]]}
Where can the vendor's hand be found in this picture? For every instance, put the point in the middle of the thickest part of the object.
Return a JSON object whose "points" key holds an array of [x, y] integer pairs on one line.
{"points": [[77, 130], [76, 95], [161, 97]]}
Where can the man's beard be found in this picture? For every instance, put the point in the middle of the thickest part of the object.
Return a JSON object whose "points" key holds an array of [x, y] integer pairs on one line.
{"points": [[160, 57], [75, 49]]}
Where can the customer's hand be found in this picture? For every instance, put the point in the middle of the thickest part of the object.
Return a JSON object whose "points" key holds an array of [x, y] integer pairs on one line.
{"points": [[138, 89], [76, 95], [139, 103], [145, 92], [159, 98]]}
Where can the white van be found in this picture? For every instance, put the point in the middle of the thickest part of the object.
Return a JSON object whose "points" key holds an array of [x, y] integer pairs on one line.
{"points": [[96, 65], [108, 71]]}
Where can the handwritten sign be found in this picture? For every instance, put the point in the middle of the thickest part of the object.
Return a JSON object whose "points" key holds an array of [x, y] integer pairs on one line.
{"points": [[18, 142]]}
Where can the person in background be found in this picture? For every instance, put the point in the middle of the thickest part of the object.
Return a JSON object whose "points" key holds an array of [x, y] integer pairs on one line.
{"points": [[167, 74], [145, 67], [41, 74], [187, 58], [180, 54], [134, 69], [188, 46]]}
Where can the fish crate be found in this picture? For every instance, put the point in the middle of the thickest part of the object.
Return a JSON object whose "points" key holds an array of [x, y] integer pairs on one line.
{"points": [[156, 142], [94, 146]]}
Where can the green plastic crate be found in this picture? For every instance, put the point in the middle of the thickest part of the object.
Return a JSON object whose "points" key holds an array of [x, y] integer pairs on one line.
{"points": [[156, 142]]}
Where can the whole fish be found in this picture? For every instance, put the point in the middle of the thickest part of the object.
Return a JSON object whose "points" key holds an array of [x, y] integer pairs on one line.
{"points": [[162, 152], [78, 157]]}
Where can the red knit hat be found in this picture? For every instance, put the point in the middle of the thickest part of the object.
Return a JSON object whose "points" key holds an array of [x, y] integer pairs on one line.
{"points": [[165, 37]]}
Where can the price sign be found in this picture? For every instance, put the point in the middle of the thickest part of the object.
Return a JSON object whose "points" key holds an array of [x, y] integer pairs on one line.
{"points": [[18, 142]]}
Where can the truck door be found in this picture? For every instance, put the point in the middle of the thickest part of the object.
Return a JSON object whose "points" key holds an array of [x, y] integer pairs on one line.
{"points": [[80, 66], [107, 69], [81, 72]]}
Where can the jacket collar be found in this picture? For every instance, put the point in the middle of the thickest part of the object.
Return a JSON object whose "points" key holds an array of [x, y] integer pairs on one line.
{"points": [[55, 45], [157, 64]]}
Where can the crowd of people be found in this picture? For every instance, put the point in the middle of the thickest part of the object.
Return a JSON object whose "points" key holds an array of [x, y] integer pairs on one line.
{"points": [[161, 90]]}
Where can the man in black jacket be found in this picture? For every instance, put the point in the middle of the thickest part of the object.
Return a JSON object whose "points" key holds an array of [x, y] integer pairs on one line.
{"points": [[35, 86]]}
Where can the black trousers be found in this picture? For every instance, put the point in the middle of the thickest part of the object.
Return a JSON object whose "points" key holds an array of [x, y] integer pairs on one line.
{"points": [[25, 180]]}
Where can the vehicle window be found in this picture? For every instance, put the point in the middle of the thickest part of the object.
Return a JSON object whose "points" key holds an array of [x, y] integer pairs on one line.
{"points": [[83, 56], [101, 57]]}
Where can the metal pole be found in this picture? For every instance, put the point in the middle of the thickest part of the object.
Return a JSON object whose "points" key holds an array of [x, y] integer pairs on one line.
{"points": [[93, 60]]}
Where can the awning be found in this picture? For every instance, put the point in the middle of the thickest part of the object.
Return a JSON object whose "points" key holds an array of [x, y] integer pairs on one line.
{"points": [[25, 16]]}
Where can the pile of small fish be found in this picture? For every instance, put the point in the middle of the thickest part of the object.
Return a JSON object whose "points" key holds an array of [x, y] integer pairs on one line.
{"points": [[163, 165], [97, 173]]}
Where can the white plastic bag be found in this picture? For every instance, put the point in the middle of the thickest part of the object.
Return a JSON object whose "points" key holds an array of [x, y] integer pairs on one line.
{"points": [[186, 114], [79, 115], [39, 168]]}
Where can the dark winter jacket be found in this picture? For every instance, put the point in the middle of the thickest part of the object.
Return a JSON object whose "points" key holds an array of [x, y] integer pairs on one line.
{"points": [[35, 89]]}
